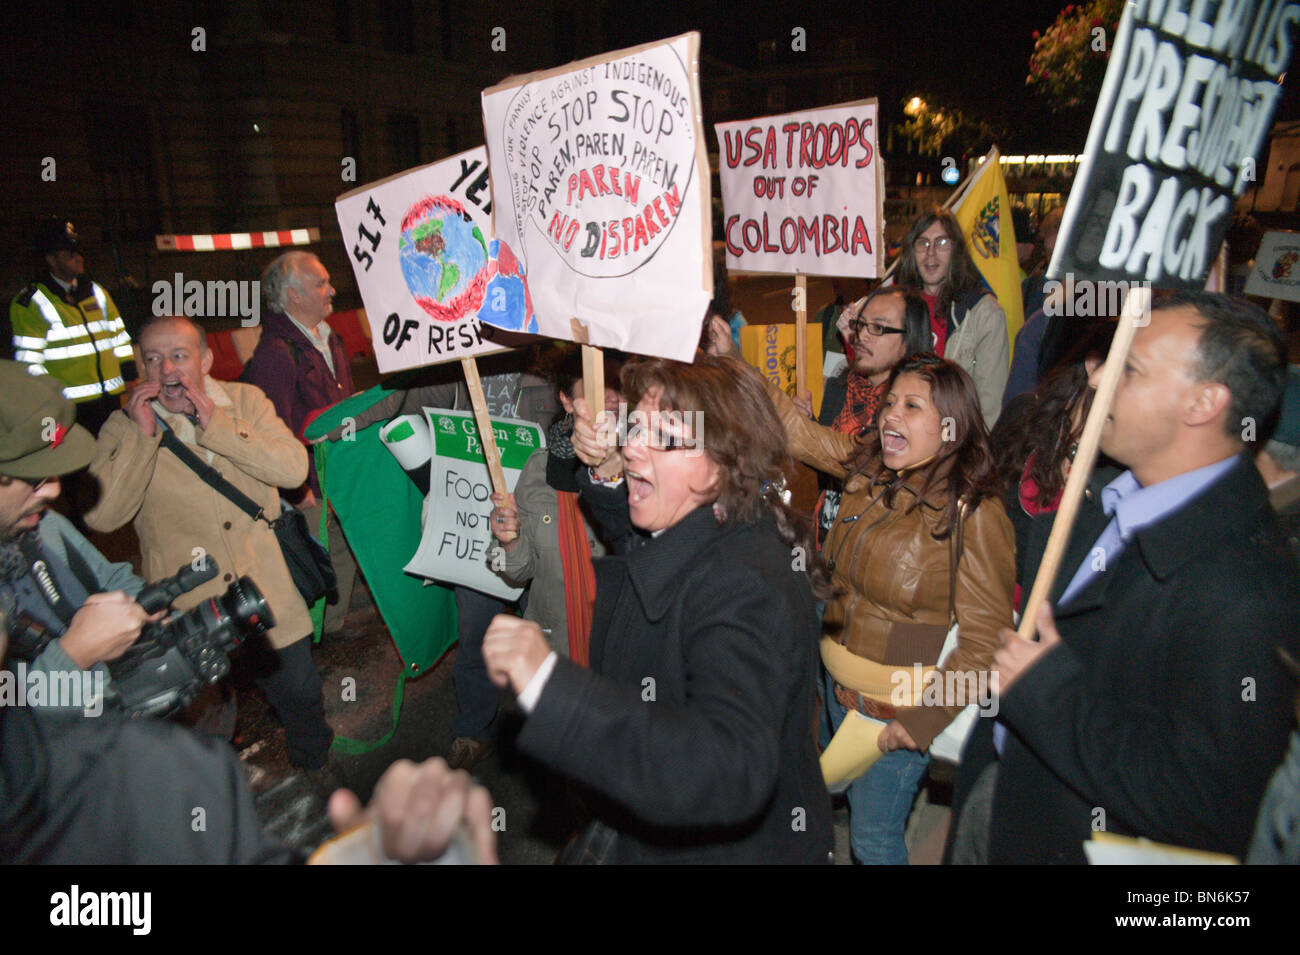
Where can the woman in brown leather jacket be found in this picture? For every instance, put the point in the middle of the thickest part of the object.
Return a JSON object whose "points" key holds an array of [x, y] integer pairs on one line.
{"points": [[921, 478]]}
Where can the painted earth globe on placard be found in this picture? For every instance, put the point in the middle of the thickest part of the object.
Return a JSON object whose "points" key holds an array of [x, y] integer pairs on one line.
{"points": [[444, 258], [507, 303]]}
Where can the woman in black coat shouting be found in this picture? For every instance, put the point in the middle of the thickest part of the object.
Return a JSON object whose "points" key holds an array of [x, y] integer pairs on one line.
{"points": [[693, 725]]}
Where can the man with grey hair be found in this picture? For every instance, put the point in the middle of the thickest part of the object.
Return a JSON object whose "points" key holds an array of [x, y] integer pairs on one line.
{"points": [[302, 366], [180, 411]]}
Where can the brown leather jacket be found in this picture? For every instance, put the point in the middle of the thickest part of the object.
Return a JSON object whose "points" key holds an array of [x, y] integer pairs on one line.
{"points": [[889, 570]]}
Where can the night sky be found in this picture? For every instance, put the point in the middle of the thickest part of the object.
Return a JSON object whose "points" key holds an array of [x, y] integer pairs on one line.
{"points": [[972, 55]]}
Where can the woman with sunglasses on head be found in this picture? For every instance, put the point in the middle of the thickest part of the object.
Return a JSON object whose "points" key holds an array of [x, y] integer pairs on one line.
{"points": [[920, 538], [969, 326], [690, 729]]}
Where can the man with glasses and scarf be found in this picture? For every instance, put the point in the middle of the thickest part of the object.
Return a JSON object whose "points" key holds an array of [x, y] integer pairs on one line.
{"points": [[890, 323]]}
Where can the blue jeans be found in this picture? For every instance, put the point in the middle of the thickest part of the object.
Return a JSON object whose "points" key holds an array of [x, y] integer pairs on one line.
{"points": [[880, 800]]}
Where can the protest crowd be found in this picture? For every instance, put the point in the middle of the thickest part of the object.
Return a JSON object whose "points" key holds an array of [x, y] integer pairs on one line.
{"points": [[702, 670]]}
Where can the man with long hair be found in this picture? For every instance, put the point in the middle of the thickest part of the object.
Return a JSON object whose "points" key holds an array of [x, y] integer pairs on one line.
{"points": [[969, 326]]}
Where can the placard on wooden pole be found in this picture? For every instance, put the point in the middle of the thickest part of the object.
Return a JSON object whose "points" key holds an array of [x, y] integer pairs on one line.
{"points": [[487, 440], [801, 335]]}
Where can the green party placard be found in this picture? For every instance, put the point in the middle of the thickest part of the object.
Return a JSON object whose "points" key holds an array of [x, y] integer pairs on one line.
{"points": [[457, 538]]}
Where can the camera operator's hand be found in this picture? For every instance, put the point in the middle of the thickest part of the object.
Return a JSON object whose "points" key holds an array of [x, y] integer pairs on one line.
{"points": [[138, 408], [418, 809], [104, 628]]}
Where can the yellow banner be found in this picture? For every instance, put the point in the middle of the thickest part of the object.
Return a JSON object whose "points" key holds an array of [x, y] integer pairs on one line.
{"points": [[770, 349], [984, 213]]}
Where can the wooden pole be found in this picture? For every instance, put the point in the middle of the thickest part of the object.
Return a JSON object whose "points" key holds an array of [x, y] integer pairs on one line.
{"points": [[593, 379], [1136, 312], [486, 438], [801, 335]]}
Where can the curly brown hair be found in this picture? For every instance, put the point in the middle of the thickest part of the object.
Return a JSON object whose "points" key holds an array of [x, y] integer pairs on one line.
{"points": [[962, 471], [744, 438], [1042, 423]]}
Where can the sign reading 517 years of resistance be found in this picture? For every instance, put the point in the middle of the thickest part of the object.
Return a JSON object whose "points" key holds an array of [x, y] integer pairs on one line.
{"points": [[427, 267]]}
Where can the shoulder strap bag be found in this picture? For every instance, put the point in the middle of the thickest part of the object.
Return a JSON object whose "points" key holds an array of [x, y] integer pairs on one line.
{"points": [[949, 744], [308, 562]]}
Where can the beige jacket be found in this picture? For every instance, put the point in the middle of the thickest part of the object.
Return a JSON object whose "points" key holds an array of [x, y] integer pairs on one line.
{"points": [[175, 513], [979, 344]]}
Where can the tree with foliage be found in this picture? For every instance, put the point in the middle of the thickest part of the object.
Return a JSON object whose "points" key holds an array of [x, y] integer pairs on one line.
{"points": [[930, 127], [1070, 56]]}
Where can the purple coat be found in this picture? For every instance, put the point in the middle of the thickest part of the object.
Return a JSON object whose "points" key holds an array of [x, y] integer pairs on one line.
{"points": [[295, 377]]}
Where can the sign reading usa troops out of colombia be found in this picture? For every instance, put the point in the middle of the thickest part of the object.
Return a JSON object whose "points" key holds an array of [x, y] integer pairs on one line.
{"points": [[802, 192], [600, 184], [427, 267]]}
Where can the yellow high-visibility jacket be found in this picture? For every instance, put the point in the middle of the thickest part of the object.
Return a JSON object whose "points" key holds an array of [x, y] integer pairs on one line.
{"points": [[83, 345]]}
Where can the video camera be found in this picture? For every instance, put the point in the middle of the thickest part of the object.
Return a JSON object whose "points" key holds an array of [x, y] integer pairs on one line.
{"points": [[166, 667], [173, 659]]}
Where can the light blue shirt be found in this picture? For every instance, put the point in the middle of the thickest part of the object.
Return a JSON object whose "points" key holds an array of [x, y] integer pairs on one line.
{"points": [[1133, 507]]}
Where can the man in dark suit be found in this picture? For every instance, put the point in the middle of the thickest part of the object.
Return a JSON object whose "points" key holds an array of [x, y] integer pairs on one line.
{"points": [[1153, 703]]}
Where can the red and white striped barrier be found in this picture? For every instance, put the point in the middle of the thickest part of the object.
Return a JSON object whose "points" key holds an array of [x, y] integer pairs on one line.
{"points": [[236, 240]]}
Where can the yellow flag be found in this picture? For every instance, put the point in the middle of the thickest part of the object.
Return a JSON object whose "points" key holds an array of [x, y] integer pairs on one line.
{"points": [[984, 213], [770, 349]]}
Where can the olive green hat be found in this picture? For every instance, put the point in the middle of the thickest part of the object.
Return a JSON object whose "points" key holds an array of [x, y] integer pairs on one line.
{"points": [[39, 434]]}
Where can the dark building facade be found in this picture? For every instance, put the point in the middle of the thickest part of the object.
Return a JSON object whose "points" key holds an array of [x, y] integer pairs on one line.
{"points": [[139, 119]]}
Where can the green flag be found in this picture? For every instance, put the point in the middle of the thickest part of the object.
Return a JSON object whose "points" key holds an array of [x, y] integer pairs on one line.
{"points": [[379, 508]]}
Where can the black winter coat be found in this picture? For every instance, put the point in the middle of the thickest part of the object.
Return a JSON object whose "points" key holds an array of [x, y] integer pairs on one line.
{"points": [[1165, 709], [694, 723], [108, 790]]}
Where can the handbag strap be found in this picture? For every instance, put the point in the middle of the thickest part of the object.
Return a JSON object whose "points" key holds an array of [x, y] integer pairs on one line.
{"points": [[955, 545], [211, 476]]}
